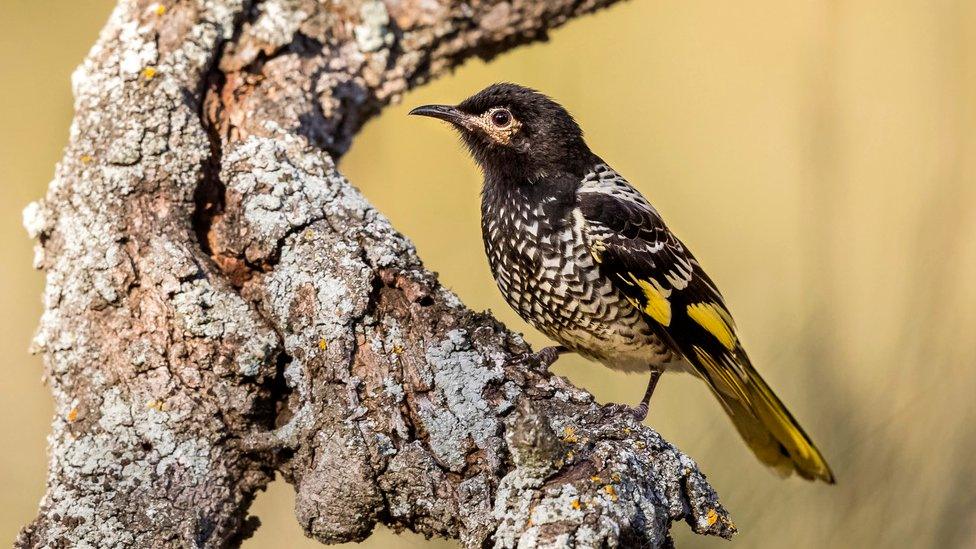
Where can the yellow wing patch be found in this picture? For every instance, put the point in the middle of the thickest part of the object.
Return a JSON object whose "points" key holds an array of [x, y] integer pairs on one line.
{"points": [[657, 307], [716, 321]]}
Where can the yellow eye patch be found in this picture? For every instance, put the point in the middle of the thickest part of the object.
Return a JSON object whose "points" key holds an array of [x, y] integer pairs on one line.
{"points": [[502, 135]]}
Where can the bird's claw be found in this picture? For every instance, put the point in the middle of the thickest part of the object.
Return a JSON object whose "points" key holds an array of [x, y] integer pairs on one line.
{"points": [[639, 412], [544, 357]]}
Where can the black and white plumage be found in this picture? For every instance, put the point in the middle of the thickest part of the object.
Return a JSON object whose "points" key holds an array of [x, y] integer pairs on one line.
{"points": [[581, 255], [547, 272]]}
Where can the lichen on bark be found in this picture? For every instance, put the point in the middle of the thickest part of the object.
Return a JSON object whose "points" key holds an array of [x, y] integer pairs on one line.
{"points": [[222, 305]]}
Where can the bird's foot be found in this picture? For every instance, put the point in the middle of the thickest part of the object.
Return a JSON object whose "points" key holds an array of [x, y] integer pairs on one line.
{"points": [[639, 412], [544, 357]]}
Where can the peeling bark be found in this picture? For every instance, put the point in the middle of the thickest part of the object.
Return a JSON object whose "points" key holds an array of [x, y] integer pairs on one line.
{"points": [[222, 305]]}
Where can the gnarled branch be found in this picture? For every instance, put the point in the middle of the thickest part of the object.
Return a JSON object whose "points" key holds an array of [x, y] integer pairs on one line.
{"points": [[222, 305]]}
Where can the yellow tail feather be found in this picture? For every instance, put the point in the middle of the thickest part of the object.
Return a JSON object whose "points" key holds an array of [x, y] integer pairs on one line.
{"points": [[761, 418]]}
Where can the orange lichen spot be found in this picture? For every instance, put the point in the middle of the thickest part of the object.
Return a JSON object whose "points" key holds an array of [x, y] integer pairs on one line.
{"points": [[397, 350], [309, 234], [323, 344], [86, 159], [712, 517], [72, 415], [569, 456], [596, 479], [569, 434], [576, 504], [157, 405], [149, 73], [615, 477], [626, 430], [639, 444], [158, 9], [610, 491]]}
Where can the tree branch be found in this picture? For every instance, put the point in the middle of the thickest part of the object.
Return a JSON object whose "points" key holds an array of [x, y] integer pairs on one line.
{"points": [[222, 304]]}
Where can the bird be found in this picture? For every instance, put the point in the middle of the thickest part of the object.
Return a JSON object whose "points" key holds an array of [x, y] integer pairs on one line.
{"points": [[584, 257]]}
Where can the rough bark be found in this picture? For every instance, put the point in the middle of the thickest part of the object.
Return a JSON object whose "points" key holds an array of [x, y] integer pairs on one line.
{"points": [[222, 305]]}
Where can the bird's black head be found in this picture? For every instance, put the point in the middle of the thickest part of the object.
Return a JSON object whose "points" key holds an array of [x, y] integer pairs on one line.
{"points": [[516, 132]]}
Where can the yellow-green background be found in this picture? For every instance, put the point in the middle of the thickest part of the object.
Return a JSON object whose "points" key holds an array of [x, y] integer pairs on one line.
{"points": [[818, 156]]}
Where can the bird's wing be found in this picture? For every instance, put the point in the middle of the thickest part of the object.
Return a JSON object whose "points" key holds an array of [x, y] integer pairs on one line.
{"points": [[647, 262], [659, 276]]}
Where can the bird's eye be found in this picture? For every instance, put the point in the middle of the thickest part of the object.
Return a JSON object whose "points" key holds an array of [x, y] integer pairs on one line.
{"points": [[501, 118]]}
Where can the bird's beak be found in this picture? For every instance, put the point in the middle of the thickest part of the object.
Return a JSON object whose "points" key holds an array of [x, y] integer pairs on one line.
{"points": [[444, 112]]}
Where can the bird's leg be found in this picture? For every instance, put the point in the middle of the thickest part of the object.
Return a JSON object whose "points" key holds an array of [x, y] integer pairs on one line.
{"points": [[545, 356], [640, 411]]}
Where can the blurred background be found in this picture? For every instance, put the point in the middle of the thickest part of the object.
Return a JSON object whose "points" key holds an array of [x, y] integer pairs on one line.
{"points": [[818, 156]]}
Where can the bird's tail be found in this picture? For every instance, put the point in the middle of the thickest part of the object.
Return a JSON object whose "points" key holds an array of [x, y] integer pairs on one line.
{"points": [[761, 418]]}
